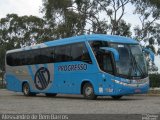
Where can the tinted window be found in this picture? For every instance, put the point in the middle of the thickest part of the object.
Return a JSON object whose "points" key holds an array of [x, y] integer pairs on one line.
{"points": [[79, 52], [27, 56], [97, 44], [62, 53], [74, 52], [36, 57], [46, 55], [104, 59], [10, 59]]}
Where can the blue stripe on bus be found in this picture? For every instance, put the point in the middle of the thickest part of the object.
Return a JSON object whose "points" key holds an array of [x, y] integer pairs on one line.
{"points": [[37, 67]]}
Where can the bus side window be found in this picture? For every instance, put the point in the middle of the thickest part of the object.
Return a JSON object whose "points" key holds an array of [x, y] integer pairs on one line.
{"points": [[79, 52], [14, 59], [105, 62], [9, 59], [28, 58], [59, 53], [46, 55], [108, 65], [62, 53], [50, 54], [17, 59], [67, 53], [36, 56]]}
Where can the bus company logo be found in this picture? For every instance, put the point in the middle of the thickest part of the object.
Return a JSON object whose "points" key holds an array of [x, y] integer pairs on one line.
{"points": [[42, 78]]}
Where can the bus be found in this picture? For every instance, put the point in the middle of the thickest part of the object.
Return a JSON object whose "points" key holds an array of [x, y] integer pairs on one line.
{"points": [[91, 65]]}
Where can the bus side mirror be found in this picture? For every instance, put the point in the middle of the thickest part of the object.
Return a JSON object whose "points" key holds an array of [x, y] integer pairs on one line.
{"points": [[114, 52], [150, 53]]}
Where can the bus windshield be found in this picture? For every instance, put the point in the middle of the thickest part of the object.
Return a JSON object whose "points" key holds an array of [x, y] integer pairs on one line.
{"points": [[132, 61]]}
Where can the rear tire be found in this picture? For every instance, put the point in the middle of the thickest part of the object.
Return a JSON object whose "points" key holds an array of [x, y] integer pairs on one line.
{"points": [[116, 97], [26, 90], [50, 94], [88, 91]]}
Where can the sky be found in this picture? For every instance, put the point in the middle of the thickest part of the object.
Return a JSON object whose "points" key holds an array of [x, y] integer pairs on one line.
{"points": [[32, 7], [20, 7]]}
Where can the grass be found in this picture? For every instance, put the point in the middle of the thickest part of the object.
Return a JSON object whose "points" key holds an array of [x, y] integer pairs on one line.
{"points": [[154, 92], [1, 85]]}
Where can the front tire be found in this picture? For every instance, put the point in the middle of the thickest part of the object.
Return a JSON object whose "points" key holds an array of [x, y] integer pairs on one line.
{"points": [[26, 90], [88, 91]]}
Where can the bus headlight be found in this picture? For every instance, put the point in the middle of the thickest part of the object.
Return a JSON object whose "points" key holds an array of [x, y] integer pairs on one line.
{"points": [[132, 84], [119, 82]]}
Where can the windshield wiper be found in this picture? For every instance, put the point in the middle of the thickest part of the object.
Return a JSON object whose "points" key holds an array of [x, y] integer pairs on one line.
{"points": [[136, 65], [130, 72]]}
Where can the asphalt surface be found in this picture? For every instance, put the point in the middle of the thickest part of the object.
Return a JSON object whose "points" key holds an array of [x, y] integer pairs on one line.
{"points": [[11, 102]]}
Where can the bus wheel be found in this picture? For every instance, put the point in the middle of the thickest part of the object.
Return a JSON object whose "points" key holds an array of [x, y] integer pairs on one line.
{"points": [[26, 90], [116, 97], [88, 92], [50, 94]]}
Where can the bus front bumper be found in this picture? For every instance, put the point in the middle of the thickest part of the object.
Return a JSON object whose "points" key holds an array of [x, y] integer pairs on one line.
{"points": [[124, 88], [132, 88]]}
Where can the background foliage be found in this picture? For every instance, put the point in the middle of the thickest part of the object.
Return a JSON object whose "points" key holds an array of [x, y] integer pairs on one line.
{"points": [[154, 80]]}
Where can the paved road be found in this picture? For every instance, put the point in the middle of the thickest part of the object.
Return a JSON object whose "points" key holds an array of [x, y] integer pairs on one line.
{"points": [[11, 102]]}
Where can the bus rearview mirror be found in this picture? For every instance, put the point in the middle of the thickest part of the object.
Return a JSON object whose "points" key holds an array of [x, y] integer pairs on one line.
{"points": [[150, 52], [113, 51]]}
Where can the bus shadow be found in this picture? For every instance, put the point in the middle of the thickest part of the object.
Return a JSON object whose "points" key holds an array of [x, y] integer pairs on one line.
{"points": [[99, 98], [80, 97], [122, 99]]}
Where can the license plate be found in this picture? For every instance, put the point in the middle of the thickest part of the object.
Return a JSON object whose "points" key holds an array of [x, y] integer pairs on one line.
{"points": [[137, 90], [138, 81]]}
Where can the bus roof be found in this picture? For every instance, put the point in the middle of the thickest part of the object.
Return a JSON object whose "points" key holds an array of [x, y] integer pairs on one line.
{"points": [[109, 38], [81, 38]]}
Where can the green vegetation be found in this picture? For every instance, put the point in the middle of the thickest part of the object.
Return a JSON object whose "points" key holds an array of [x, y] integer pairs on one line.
{"points": [[2, 86], [154, 80], [1, 82]]}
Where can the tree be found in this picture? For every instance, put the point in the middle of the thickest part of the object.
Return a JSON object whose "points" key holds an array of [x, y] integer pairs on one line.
{"points": [[62, 14], [149, 13], [60, 20], [111, 22], [114, 11]]}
